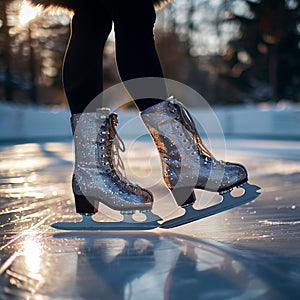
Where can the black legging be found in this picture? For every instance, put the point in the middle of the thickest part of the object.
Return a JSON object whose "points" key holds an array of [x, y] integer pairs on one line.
{"points": [[135, 49]]}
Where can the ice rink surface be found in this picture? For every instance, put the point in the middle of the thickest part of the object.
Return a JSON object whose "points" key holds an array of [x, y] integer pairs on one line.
{"points": [[249, 252]]}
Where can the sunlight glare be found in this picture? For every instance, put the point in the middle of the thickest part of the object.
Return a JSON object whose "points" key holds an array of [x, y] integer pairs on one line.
{"points": [[27, 13], [32, 253]]}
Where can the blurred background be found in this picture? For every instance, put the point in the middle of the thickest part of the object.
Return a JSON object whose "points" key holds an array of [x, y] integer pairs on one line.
{"points": [[233, 52]]}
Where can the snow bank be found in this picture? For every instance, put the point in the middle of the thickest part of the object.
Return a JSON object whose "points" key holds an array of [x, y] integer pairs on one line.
{"points": [[19, 121], [275, 121], [279, 121]]}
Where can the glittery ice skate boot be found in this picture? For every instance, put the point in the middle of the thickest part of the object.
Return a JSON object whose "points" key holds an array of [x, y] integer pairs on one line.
{"points": [[186, 162], [96, 176]]}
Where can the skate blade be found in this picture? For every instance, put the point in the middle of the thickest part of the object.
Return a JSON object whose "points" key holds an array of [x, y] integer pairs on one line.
{"points": [[228, 202], [88, 224]]}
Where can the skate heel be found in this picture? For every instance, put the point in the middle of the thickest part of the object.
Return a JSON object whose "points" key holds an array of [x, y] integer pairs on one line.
{"points": [[184, 196], [84, 205]]}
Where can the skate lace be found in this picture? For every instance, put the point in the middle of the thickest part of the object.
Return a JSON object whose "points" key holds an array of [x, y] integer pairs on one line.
{"points": [[190, 126], [115, 144]]}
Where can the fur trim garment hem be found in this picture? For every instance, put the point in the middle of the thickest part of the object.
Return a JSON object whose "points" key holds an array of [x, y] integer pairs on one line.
{"points": [[77, 4]]}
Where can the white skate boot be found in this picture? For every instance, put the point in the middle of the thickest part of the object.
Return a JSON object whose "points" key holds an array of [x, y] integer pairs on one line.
{"points": [[188, 165]]}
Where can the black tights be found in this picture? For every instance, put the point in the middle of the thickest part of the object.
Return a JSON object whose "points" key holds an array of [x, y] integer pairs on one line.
{"points": [[135, 49]]}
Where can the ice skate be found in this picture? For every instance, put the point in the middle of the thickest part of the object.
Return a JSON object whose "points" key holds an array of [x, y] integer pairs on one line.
{"points": [[97, 177], [188, 165]]}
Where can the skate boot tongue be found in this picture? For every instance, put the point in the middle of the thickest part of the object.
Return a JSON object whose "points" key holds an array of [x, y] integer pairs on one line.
{"points": [[190, 125], [102, 113]]}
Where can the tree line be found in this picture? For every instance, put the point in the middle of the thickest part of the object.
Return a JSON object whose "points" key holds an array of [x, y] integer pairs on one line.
{"points": [[235, 51]]}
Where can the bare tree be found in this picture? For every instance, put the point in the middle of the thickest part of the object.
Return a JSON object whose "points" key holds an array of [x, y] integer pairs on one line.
{"points": [[5, 52]]}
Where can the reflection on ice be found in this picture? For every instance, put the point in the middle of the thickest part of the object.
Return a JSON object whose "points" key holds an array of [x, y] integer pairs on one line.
{"points": [[35, 191], [24, 193], [148, 266], [32, 252], [267, 222], [207, 260]]}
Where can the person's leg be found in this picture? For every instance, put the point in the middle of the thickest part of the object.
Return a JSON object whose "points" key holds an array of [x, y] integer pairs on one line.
{"points": [[187, 163], [135, 45], [95, 178], [82, 70]]}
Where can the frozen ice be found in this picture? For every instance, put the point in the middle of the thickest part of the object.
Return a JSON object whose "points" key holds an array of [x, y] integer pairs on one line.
{"points": [[249, 252]]}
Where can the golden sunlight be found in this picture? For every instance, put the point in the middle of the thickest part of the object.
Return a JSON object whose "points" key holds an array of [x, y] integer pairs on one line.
{"points": [[27, 13], [32, 253]]}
